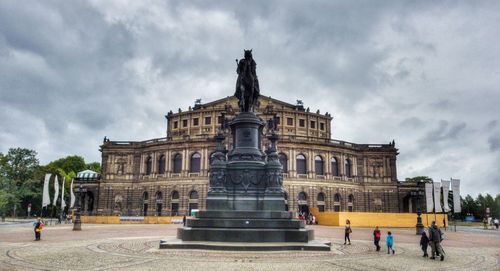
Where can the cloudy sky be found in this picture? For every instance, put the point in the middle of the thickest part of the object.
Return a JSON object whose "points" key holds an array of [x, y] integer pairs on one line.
{"points": [[424, 73]]}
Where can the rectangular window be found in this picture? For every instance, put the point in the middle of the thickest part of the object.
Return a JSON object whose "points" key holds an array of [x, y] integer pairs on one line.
{"points": [[184, 123], [195, 122], [176, 124], [322, 126], [219, 120], [302, 123], [289, 121], [278, 120], [208, 120], [313, 124]]}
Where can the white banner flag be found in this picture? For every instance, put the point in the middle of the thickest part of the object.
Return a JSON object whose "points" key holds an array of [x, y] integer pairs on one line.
{"points": [[72, 200], [63, 203], [46, 196], [455, 186], [428, 197], [446, 188], [56, 190], [437, 198]]}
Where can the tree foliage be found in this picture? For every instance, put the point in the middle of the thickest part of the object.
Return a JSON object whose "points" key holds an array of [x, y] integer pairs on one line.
{"points": [[419, 179], [21, 178], [477, 207]]}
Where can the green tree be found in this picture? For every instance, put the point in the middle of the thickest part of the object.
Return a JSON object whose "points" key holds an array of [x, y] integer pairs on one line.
{"points": [[94, 166], [18, 181], [418, 179], [72, 163]]}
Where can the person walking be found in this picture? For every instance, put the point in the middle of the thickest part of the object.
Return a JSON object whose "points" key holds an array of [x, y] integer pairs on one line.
{"points": [[424, 242], [496, 222], [376, 238], [435, 239], [38, 224], [389, 241], [485, 223], [184, 221], [347, 232]]}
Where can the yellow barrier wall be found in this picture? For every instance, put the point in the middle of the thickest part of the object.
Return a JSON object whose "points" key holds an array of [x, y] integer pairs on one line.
{"points": [[366, 219], [116, 220]]}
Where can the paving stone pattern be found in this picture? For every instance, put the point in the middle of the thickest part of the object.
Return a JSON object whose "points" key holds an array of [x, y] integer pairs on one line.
{"points": [[135, 247]]}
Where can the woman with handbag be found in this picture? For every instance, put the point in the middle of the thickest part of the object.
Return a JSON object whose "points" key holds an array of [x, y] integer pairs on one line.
{"points": [[347, 231]]}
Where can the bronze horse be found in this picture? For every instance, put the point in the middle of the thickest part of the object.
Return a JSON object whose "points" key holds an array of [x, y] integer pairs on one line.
{"points": [[247, 85]]}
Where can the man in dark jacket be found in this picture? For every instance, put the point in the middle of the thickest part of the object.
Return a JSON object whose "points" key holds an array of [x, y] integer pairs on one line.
{"points": [[424, 242], [435, 241]]}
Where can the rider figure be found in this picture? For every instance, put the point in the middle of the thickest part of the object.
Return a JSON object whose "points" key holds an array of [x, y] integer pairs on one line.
{"points": [[244, 64]]}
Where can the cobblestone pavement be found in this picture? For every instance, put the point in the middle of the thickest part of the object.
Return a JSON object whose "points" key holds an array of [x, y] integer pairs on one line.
{"points": [[135, 247]]}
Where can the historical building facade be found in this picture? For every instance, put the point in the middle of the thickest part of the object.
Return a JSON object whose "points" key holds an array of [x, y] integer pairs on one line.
{"points": [[169, 175]]}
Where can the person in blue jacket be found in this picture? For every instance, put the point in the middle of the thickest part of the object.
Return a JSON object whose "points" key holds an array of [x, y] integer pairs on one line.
{"points": [[389, 240]]}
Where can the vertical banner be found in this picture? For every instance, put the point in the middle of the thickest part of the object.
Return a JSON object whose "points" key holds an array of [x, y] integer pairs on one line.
{"points": [[455, 186], [428, 197], [437, 197], [72, 200], [446, 188], [63, 203], [46, 196], [56, 190]]}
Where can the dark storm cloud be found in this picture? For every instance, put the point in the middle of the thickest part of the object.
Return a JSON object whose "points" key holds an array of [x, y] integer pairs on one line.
{"points": [[421, 72]]}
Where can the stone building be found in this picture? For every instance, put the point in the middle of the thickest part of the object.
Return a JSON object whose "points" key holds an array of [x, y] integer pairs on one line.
{"points": [[169, 175]]}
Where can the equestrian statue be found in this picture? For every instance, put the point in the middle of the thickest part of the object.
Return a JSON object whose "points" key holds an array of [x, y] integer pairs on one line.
{"points": [[247, 84]]}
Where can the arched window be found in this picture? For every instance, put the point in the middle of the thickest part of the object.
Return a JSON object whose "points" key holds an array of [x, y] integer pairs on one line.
{"points": [[194, 164], [145, 196], [174, 206], [321, 197], [177, 161], [348, 168], [336, 202], [318, 165], [175, 195], [350, 203], [302, 196], [321, 201], [159, 203], [193, 195], [301, 164], [148, 165], [335, 167], [193, 201], [161, 165], [284, 162]]}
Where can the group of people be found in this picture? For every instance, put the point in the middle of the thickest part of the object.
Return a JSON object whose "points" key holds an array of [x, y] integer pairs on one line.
{"points": [[389, 240], [309, 218], [432, 239], [493, 222]]}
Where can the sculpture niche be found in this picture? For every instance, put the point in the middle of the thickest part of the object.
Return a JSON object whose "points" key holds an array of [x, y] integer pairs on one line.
{"points": [[247, 84], [245, 202]]}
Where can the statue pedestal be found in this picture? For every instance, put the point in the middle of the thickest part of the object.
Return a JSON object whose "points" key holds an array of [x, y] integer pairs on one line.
{"points": [[245, 201]]}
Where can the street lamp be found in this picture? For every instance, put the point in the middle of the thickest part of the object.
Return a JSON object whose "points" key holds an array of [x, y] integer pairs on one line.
{"points": [[77, 225]]}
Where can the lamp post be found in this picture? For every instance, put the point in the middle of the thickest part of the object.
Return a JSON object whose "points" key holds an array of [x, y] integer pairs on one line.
{"points": [[77, 225], [419, 227]]}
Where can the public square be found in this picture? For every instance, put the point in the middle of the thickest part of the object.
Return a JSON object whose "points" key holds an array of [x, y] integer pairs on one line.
{"points": [[135, 247]]}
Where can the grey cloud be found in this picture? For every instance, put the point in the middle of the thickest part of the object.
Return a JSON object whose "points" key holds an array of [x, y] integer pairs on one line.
{"points": [[72, 72]]}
